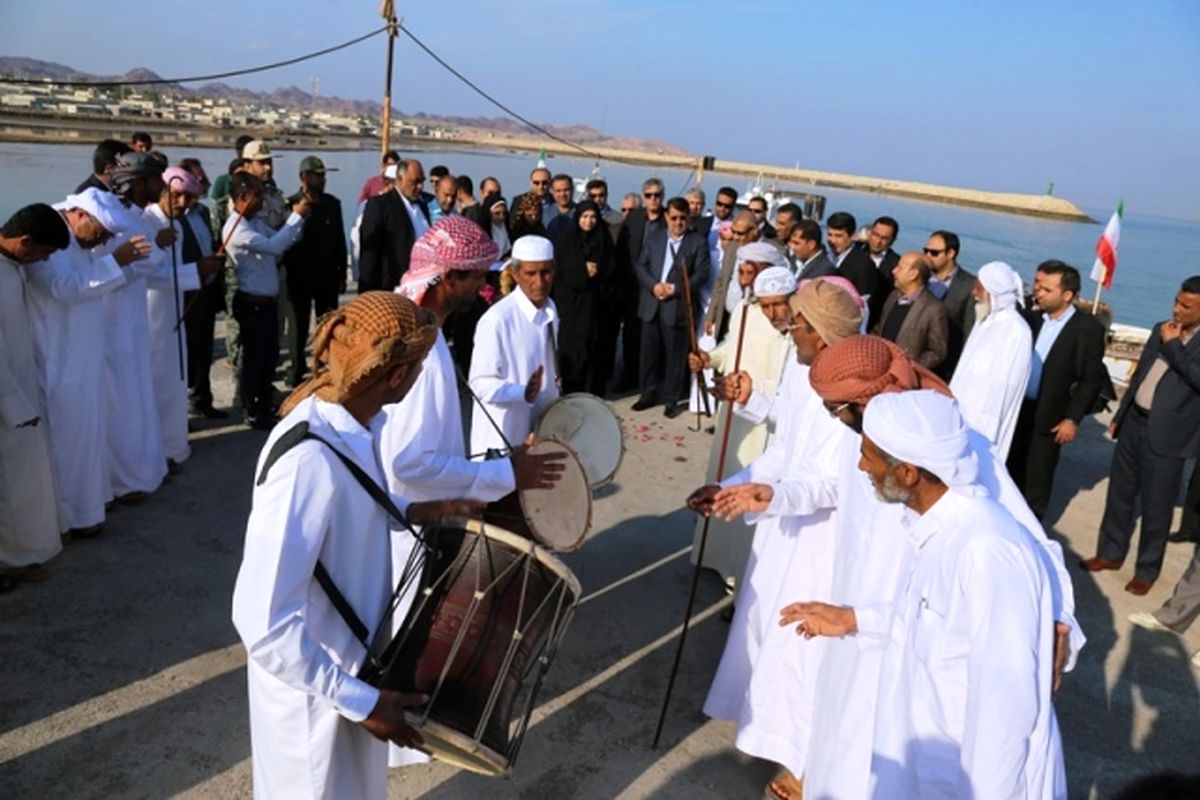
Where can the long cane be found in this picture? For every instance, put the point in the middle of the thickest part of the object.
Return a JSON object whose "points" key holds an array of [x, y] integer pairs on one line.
{"points": [[175, 277], [687, 616], [690, 314], [220, 252]]}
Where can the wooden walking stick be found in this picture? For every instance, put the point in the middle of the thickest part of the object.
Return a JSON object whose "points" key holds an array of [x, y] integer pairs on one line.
{"points": [[690, 314], [687, 615]]}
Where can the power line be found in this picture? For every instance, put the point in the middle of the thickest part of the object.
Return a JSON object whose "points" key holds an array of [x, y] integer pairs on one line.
{"points": [[195, 78], [502, 106]]}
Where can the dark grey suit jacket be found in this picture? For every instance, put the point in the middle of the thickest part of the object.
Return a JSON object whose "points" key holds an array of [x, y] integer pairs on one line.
{"points": [[819, 267], [923, 334], [1175, 411], [960, 311], [692, 254]]}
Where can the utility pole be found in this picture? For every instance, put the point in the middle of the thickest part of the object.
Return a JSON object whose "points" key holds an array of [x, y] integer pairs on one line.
{"points": [[388, 11]]}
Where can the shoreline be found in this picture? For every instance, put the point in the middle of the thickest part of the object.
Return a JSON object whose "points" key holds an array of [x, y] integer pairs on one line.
{"points": [[38, 129]]}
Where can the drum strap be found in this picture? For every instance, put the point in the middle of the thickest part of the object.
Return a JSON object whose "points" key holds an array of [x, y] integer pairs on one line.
{"points": [[294, 436]]}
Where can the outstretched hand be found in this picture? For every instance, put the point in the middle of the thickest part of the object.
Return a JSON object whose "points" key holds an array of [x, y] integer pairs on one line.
{"points": [[745, 498], [819, 619]]}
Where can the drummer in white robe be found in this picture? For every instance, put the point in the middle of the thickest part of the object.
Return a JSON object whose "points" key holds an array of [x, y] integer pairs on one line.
{"points": [[965, 694], [66, 309], [764, 682], [869, 569], [164, 309], [137, 458], [514, 370], [29, 524], [989, 381], [316, 730], [422, 447], [761, 349]]}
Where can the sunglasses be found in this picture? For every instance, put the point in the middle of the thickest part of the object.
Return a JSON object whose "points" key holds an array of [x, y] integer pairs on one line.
{"points": [[597, 195], [540, 183], [651, 195], [724, 205], [929, 251]]}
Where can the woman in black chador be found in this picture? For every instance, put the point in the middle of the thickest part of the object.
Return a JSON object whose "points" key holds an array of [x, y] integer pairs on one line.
{"points": [[583, 291]]}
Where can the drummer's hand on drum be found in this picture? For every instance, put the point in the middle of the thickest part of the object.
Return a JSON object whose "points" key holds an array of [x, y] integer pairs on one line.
{"points": [[429, 512], [701, 500], [698, 360], [745, 498], [386, 721], [535, 385], [540, 471]]}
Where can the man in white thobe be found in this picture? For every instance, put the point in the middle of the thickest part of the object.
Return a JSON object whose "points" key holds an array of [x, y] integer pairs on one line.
{"points": [[66, 310], [514, 366], [29, 524], [989, 381], [317, 730], [869, 569], [137, 459], [965, 692], [164, 310], [764, 682], [760, 349]]}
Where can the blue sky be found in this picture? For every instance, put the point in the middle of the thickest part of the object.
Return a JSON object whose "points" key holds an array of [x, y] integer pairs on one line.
{"points": [[1101, 97]]}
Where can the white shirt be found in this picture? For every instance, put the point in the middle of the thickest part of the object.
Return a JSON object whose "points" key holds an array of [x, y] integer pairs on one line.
{"points": [[965, 707], [302, 657], [838, 258], [511, 341], [669, 258], [419, 223], [1047, 335], [990, 379], [255, 249]]}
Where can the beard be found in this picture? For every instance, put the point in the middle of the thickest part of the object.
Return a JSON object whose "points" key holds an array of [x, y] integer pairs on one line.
{"points": [[982, 309], [891, 492]]}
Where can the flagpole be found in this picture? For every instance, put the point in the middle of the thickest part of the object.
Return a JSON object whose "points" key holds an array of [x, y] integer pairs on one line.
{"points": [[1096, 299], [389, 14]]}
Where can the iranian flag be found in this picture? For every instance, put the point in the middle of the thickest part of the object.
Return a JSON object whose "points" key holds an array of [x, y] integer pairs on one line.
{"points": [[1106, 249]]}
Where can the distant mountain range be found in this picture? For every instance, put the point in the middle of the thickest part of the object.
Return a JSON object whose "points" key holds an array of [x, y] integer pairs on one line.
{"points": [[295, 97]]}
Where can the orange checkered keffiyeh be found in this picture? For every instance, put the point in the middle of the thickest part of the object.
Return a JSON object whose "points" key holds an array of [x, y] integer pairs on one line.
{"points": [[859, 367], [375, 331]]}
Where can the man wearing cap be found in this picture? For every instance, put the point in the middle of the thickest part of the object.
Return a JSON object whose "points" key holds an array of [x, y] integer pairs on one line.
{"points": [[965, 692], [316, 729], [764, 682], [993, 371], [669, 253], [29, 523], [514, 365], [66, 310], [763, 349], [316, 265], [175, 274], [137, 455], [392, 223]]}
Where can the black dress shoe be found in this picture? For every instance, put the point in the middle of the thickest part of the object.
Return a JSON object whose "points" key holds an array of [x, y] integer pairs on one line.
{"points": [[1179, 537], [208, 412], [643, 403], [673, 410]]}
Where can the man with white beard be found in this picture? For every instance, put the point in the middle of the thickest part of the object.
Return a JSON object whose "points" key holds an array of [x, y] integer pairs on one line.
{"points": [[67, 295], [765, 683], [964, 700], [989, 381], [136, 455]]}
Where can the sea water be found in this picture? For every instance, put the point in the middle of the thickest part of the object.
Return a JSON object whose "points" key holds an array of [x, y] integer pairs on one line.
{"points": [[1156, 254]]}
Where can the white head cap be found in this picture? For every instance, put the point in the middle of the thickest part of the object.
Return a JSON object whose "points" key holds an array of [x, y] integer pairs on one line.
{"points": [[106, 207], [1003, 284], [533, 248], [774, 281], [923, 428]]}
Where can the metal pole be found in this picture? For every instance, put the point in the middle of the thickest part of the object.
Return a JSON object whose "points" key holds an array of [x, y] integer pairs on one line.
{"points": [[687, 615], [389, 14]]}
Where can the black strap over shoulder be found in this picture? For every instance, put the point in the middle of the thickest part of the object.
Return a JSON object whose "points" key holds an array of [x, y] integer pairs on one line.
{"points": [[294, 436]]}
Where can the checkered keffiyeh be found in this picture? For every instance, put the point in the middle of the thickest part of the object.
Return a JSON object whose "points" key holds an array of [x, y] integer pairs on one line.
{"points": [[859, 367], [375, 331], [453, 243]]}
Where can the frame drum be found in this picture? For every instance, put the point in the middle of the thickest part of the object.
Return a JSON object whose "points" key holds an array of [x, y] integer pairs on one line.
{"points": [[593, 431], [559, 518]]}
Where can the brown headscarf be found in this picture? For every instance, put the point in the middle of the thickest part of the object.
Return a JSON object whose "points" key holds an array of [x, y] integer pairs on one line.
{"points": [[859, 367], [830, 308], [375, 331]]}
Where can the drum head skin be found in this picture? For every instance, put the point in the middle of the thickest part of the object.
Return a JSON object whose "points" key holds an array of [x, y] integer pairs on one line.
{"points": [[559, 518], [591, 429]]}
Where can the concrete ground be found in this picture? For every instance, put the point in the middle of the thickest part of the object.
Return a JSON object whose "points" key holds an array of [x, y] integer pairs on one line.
{"points": [[124, 677]]}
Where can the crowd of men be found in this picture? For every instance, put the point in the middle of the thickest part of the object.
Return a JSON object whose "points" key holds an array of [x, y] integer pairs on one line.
{"points": [[897, 421]]}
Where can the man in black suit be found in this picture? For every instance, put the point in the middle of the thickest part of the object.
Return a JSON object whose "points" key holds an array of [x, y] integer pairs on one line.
{"points": [[1157, 427], [758, 207], [852, 261], [805, 248], [786, 218], [639, 225], [391, 225], [1066, 378], [951, 284], [660, 271], [698, 221], [880, 239]]}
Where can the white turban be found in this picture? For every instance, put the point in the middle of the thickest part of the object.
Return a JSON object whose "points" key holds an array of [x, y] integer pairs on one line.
{"points": [[1003, 284], [106, 207], [761, 253], [533, 248], [774, 281], [923, 428]]}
